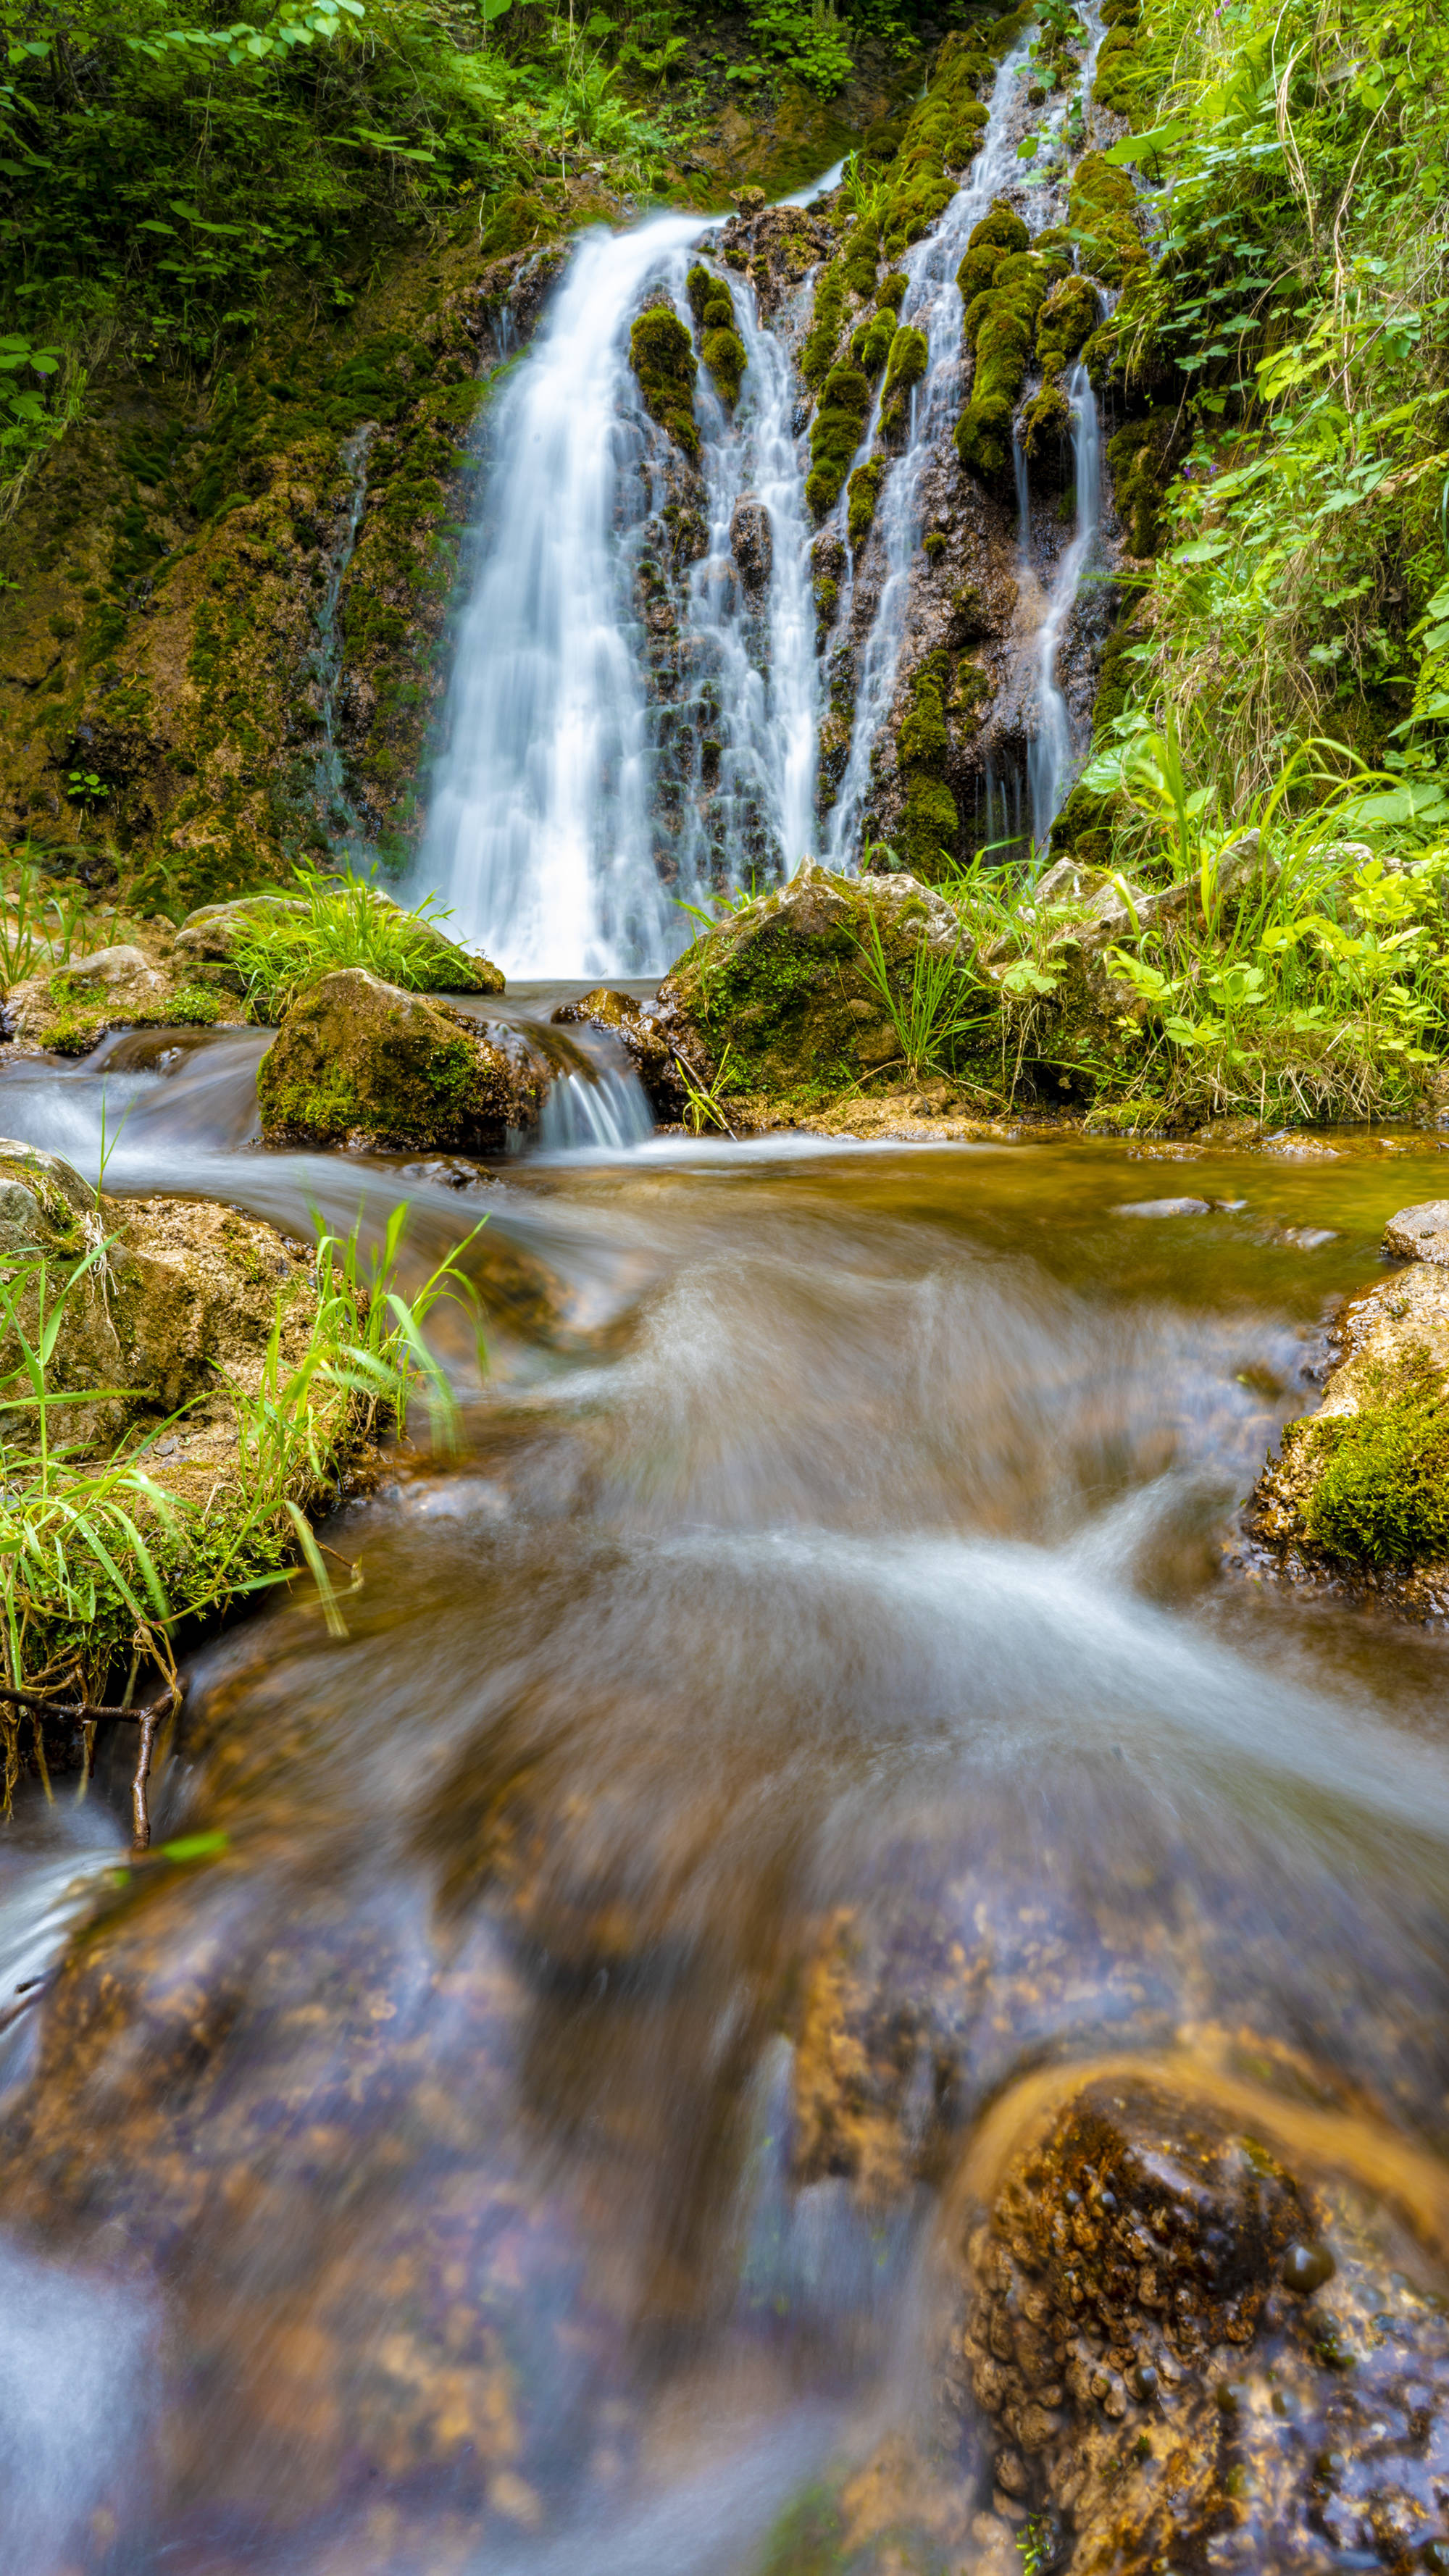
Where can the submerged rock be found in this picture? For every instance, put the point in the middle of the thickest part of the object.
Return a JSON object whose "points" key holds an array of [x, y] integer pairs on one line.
{"points": [[361, 1064], [789, 986], [1359, 1494]]}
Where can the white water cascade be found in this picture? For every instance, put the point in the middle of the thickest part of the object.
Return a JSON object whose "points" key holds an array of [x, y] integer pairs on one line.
{"points": [[1050, 759], [932, 303], [629, 729]]}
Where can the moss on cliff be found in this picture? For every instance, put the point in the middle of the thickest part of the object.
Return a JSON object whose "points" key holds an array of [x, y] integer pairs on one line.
{"points": [[662, 357], [910, 353], [724, 353], [835, 434], [1102, 209], [865, 485]]}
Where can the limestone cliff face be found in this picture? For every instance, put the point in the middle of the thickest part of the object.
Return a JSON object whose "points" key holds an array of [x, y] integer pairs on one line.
{"points": [[207, 622]]}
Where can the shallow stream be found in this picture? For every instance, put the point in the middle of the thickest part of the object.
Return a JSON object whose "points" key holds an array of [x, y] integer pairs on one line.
{"points": [[443, 2175]]}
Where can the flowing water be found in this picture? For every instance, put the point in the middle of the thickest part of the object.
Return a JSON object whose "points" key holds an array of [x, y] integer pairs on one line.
{"points": [[457, 2171]]}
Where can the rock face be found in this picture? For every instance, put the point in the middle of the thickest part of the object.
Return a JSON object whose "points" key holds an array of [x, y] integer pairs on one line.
{"points": [[636, 1025], [357, 1063], [1359, 1494], [752, 543], [786, 984]]}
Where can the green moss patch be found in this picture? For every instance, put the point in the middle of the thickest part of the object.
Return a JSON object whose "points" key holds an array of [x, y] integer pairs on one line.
{"points": [[909, 357], [865, 485], [1380, 1490], [1102, 209], [835, 434], [662, 357]]}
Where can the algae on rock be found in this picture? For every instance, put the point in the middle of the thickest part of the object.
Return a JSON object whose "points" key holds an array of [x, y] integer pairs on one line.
{"points": [[663, 359], [361, 1064]]}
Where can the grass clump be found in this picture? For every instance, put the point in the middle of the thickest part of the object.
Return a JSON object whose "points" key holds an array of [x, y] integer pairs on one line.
{"points": [[1380, 1495], [341, 921], [103, 1558]]}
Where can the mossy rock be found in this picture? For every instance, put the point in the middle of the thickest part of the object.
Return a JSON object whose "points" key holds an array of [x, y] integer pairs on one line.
{"points": [[910, 355], [361, 1064], [1001, 228], [890, 294], [1046, 435], [1141, 460], [870, 344], [726, 358], [69, 1009], [865, 485], [835, 434], [662, 357], [785, 985], [860, 257], [1102, 203], [818, 354], [1065, 324]]}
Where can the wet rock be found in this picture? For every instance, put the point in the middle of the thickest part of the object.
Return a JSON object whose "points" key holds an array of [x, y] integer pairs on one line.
{"points": [[1358, 1496], [786, 986], [358, 1063], [68, 1009], [1420, 1233], [752, 542], [636, 1026], [1164, 1207]]}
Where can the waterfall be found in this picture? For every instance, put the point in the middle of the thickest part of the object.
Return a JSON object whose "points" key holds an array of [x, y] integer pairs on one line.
{"points": [[932, 303], [633, 720], [581, 785], [1050, 756]]}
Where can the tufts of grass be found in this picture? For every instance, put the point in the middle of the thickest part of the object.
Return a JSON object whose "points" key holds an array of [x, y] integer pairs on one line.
{"points": [[346, 923], [101, 1560]]}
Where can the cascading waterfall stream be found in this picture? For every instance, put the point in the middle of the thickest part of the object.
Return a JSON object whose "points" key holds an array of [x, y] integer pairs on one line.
{"points": [[1051, 755], [628, 731], [932, 303]]}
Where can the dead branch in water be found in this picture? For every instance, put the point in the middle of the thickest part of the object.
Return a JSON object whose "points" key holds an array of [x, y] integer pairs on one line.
{"points": [[56, 1704]]}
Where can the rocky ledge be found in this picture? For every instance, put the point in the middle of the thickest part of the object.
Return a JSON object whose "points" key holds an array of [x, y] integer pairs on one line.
{"points": [[1357, 1500]]}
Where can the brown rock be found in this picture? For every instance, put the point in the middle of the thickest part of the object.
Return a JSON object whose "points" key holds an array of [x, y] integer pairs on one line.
{"points": [[752, 542], [636, 1027], [1420, 1233]]}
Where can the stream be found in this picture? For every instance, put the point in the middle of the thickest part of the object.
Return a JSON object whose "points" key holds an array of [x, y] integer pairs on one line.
{"points": [[426, 2180]]}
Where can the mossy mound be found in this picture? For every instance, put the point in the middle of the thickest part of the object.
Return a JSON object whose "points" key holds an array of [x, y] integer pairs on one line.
{"points": [[1141, 460], [1361, 1488], [1102, 209], [870, 342], [910, 354], [941, 140], [890, 294], [928, 831], [1006, 284], [360, 1064], [835, 434], [865, 485], [1065, 324], [69, 1009], [784, 984], [1046, 433], [725, 355], [662, 357]]}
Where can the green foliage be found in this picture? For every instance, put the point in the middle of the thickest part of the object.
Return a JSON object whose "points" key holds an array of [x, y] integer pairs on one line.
{"points": [[932, 1010], [38, 929], [346, 923], [811, 44], [1380, 1494]]}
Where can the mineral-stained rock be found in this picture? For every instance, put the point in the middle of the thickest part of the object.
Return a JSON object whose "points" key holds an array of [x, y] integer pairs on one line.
{"points": [[1420, 1233], [358, 1063], [636, 1026], [786, 984]]}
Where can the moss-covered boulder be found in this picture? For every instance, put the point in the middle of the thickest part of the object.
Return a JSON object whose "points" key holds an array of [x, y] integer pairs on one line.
{"points": [[69, 1007], [910, 353], [360, 1064], [864, 493], [1006, 284], [662, 357], [1102, 209], [1359, 1493], [786, 987]]}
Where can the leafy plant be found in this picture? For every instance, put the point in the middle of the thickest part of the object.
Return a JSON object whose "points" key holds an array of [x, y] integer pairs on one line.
{"points": [[704, 1102]]}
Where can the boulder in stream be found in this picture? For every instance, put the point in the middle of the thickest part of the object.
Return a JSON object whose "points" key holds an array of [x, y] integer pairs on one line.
{"points": [[787, 983], [1358, 1497], [636, 1026], [361, 1064], [68, 1008]]}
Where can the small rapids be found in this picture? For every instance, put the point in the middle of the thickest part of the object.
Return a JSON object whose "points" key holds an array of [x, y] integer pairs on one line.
{"points": [[484, 2161]]}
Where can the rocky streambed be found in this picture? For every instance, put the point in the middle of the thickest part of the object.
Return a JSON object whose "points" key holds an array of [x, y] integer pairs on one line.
{"points": [[814, 1978]]}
